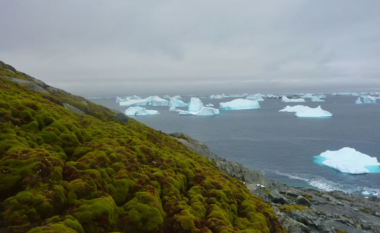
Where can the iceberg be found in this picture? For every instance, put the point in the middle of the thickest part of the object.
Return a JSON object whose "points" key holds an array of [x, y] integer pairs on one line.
{"points": [[139, 111], [257, 97], [173, 109], [305, 111], [209, 105], [195, 104], [239, 104], [369, 100], [176, 97], [286, 99], [310, 96], [216, 97], [348, 160], [177, 103], [316, 99], [358, 101], [204, 111], [150, 101]]}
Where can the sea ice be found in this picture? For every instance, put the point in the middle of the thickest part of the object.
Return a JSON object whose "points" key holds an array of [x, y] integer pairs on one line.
{"points": [[358, 101], [348, 160], [369, 100], [150, 101], [316, 99], [209, 105], [305, 111], [216, 97], [140, 111], [310, 96], [256, 97], [195, 104], [239, 104], [286, 99]]}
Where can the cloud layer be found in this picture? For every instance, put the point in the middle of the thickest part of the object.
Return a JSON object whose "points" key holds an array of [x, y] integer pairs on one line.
{"points": [[155, 47]]}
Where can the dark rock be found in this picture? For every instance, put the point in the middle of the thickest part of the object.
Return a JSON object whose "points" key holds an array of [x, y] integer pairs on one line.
{"points": [[276, 197], [300, 200]]}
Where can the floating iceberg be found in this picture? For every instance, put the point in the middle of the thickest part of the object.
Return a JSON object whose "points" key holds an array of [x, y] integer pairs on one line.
{"points": [[239, 104], [209, 105], [173, 109], [176, 97], [195, 104], [348, 160], [358, 101], [305, 111], [204, 111], [257, 97], [139, 111], [216, 97], [286, 99], [369, 100], [316, 99], [310, 96], [271, 96], [177, 103], [150, 101]]}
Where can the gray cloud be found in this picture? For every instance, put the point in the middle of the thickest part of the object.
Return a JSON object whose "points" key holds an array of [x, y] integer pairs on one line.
{"points": [[146, 47]]}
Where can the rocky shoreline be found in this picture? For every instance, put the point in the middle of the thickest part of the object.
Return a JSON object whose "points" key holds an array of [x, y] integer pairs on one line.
{"points": [[300, 209]]}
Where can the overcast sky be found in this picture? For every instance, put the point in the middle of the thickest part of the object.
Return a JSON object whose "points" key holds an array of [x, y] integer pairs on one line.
{"points": [[119, 47]]}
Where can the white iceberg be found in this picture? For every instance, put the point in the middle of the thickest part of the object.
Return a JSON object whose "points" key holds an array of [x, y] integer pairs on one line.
{"points": [[204, 111], [369, 100], [195, 104], [216, 97], [316, 99], [358, 101], [305, 111], [150, 101], [310, 96], [257, 97], [239, 104], [286, 99], [176, 97], [348, 160], [209, 105], [140, 111], [173, 109], [177, 103]]}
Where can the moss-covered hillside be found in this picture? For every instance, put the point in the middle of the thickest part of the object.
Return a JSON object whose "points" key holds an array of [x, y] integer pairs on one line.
{"points": [[67, 172]]}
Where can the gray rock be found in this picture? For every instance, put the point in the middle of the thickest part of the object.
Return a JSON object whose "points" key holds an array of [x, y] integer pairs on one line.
{"points": [[30, 84], [73, 109], [300, 200], [276, 197]]}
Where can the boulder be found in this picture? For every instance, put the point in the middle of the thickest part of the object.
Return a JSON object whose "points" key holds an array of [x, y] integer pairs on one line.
{"points": [[300, 200], [276, 197]]}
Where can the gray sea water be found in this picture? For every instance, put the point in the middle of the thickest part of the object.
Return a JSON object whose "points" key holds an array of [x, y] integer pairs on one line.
{"points": [[280, 145]]}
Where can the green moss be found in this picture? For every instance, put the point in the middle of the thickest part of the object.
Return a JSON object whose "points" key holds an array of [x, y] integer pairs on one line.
{"points": [[364, 211], [288, 208]]}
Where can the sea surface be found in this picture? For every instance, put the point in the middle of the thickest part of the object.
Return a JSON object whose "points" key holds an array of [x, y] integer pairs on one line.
{"points": [[280, 145]]}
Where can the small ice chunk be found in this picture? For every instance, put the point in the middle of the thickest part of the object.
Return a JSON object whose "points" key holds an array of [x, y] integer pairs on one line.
{"points": [[294, 108], [150, 101], [176, 97], [316, 99], [177, 103], [348, 160], [239, 104], [256, 97], [358, 101], [369, 100], [204, 111], [216, 97], [305, 111], [209, 105], [173, 109], [286, 99], [140, 111], [365, 193]]}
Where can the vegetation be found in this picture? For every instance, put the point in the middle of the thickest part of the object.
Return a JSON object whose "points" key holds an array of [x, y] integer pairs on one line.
{"points": [[287, 208], [62, 172]]}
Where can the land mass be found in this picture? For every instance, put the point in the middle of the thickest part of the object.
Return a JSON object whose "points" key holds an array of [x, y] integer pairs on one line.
{"points": [[69, 165]]}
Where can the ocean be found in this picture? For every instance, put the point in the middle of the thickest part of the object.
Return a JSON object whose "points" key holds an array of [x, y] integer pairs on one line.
{"points": [[280, 145]]}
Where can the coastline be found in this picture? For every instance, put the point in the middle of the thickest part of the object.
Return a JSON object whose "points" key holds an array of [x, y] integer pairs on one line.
{"points": [[299, 209]]}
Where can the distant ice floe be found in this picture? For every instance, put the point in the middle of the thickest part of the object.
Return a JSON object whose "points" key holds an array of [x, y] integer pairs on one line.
{"points": [[305, 111], [358, 101], [346, 94], [140, 111], [316, 99], [196, 108], [287, 100], [369, 100], [256, 97], [177, 103], [149, 101], [173, 109], [239, 104], [209, 105], [348, 160], [216, 97]]}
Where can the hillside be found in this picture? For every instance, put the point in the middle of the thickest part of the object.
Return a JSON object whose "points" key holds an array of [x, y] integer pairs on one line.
{"points": [[68, 165]]}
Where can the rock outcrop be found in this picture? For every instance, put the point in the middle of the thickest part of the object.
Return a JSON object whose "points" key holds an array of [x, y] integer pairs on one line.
{"points": [[299, 209]]}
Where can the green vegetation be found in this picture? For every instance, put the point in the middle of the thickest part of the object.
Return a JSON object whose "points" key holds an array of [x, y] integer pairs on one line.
{"points": [[364, 211], [62, 172], [287, 208]]}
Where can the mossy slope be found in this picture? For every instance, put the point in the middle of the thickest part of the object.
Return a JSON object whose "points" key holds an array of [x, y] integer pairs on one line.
{"points": [[62, 172]]}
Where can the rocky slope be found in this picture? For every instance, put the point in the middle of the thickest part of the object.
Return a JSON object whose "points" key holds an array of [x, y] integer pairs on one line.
{"points": [[300, 210], [68, 165]]}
